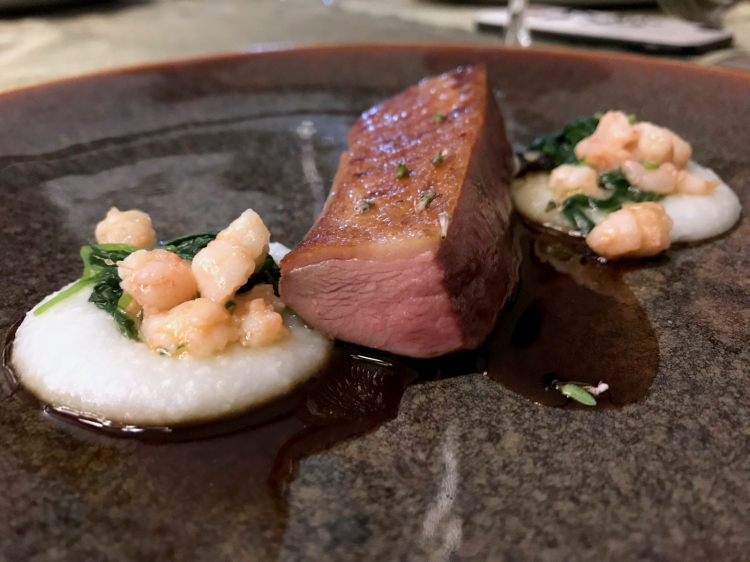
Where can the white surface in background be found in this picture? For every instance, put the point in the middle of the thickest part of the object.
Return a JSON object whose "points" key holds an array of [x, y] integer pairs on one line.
{"points": [[621, 26]]}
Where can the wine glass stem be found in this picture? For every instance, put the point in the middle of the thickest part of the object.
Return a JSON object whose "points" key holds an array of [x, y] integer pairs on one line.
{"points": [[517, 33]]}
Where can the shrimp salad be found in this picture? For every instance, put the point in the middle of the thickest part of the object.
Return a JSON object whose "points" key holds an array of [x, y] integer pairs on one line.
{"points": [[630, 188], [162, 334]]}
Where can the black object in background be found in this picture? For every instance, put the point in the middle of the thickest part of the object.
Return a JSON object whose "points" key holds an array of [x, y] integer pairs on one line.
{"points": [[11, 9]]}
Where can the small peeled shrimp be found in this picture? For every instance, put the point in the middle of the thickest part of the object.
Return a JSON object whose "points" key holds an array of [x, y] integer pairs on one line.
{"points": [[611, 144], [259, 321], [225, 264], [616, 236], [249, 232], [126, 227], [157, 280], [682, 151], [262, 291], [199, 327], [221, 268], [654, 143], [639, 230], [690, 184], [655, 227], [568, 180], [660, 180], [659, 145]]}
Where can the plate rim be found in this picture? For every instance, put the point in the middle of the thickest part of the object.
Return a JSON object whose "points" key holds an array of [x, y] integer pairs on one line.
{"points": [[262, 50]]}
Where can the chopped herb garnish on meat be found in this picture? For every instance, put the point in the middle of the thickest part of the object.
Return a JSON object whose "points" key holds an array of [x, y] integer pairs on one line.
{"points": [[439, 158], [445, 220], [229, 305], [364, 205], [439, 117], [621, 192], [651, 165], [425, 200], [402, 171], [558, 148], [632, 118]]}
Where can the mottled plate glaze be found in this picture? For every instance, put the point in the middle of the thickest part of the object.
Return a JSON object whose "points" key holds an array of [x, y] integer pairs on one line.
{"points": [[467, 470]]}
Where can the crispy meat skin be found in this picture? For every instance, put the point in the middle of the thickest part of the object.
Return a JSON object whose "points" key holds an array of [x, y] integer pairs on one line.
{"points": [[385, 277]]}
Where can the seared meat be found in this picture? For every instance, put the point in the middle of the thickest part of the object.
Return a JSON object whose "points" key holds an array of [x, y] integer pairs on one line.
{"points": [[413, 252]]}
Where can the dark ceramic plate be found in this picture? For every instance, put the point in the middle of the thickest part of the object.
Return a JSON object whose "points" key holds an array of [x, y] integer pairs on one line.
{"points": [[468, 469]]}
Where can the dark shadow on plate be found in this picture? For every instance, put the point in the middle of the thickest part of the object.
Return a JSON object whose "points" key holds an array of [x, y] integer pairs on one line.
{"points": [[17, 9], [574, 319], [572, 316]]}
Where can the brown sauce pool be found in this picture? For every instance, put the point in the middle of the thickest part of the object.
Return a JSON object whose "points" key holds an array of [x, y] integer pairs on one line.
{"points": [[573, 319]]}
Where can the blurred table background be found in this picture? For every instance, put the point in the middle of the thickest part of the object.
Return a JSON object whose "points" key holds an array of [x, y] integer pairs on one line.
{"points": [[55, 42]]}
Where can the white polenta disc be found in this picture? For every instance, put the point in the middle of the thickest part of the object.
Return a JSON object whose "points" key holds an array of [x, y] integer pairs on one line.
{"points": [[73, 356], [695, 217]]}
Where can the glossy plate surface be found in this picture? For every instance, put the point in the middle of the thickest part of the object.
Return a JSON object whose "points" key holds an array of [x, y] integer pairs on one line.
{"points": [[467, 470]]}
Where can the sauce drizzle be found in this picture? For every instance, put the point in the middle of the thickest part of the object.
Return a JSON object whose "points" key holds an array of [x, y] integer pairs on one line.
{"points": [[573, 319]]}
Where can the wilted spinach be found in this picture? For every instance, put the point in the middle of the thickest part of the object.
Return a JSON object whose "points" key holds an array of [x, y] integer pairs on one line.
{"points": [[187, 246], [621, 192], [100, 269], [106, 295], [269, 274], [558, 148]]}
